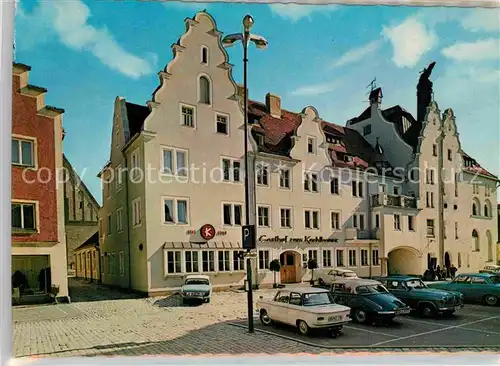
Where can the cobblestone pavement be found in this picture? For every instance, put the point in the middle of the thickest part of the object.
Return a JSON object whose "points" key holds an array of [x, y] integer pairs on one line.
{"points": [[143, 326]]}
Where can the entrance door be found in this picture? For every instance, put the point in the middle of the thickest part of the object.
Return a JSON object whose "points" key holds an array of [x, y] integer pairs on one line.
{"points": [[28, 268], [447, 261], [288, 269]]}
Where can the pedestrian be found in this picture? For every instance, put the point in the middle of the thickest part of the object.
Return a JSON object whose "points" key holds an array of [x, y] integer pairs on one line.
{"points": [[438, 273], [453, 270]]}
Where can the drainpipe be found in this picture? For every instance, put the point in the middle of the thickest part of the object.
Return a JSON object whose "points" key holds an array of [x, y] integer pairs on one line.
{"points": [[128, 227], [369, 223], [440, 202]]}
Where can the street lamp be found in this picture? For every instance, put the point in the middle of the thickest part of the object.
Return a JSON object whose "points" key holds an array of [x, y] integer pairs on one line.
{"points": [[246, 37]]}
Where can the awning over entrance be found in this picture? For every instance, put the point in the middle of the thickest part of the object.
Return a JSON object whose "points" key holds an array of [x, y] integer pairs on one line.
{"points": [[205, 245]]}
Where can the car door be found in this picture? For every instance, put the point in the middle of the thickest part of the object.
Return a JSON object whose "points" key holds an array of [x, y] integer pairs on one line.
{"points": [[278, 308], [398, 289], [462, 284], [477, 288], [339, 294], [295, 309]]}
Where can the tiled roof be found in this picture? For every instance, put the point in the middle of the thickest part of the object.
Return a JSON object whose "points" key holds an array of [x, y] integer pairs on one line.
{"points": [[90, 242], [472, 166]]}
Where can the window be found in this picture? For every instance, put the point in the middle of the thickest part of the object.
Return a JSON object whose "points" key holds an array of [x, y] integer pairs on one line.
{"points": [[224, 260], [174, 262], [474, 209], [340, 257], [432, 199], [311, 145], [360, 189], [377, 221], [411, 223], [262, 174], [311, 219], [238, 261], [456, 185], [486, 211], [449, 155], [434, 150], [335, 220], [175, 211], [204, 55], [456, 230], [118, 177], [175, 162], [232, 214], [284, 178], [358, 221], [204, 90], [22, 152], [286, 218], [364, 257], [208, 260], [395, 190], [119, 220], [23, 216], [311, 182], [222, 125], [354, 187], [231, 170], [352, 257], [263, 216], [263, 259], [375, 257], [367, 130], [361, 222], [110, 222], [121, 263], [334, 186], [327, 258], [397, 222], [475, 240], [459, 260], [191, 261], [313, 254], [430, 228], [134, 157], [187, 116]]}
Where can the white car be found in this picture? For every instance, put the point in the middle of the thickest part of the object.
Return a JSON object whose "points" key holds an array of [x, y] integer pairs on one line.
{"points": [[196, 288], [305, 308], [328, 277]]}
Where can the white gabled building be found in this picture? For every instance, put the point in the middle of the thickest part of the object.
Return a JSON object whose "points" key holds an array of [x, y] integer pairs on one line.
{"points": [[456, 223]]}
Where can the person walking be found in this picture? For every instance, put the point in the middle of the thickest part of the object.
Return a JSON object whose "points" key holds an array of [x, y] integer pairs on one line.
{"points": [[438, 273], [453, 270]]}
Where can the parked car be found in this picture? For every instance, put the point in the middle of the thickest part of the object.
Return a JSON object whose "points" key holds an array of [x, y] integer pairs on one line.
{"points": [[306, 308], [369, 300], [426, 301], [196, 288], [493, 269], [326, 277], [475, 287]]}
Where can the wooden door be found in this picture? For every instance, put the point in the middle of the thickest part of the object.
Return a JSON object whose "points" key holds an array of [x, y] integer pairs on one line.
{"points": [[288, 271]]}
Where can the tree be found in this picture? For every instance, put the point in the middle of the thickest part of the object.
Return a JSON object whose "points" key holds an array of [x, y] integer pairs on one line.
{"points": [[312, 264], [275, 266]]}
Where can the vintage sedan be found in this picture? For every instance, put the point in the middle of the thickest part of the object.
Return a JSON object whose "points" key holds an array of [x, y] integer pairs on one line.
{"points": [[369, 300], [306, 308], [327, 277], [475, 287], [196, 288], [428, 302], [492, 268]]}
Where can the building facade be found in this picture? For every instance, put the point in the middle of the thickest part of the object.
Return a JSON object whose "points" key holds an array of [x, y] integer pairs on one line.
{"points": [[456, 223], [38, 236], [87, 259], [80, 212]]}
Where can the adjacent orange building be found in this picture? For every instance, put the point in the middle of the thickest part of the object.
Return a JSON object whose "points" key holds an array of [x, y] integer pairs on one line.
{"points": [[39, 264]]}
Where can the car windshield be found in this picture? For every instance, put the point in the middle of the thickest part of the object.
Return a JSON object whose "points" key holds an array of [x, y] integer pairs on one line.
{"points": [[371, 289], [495, 279], [319, 298], [415, 284], [197, 281], [350, 274]]}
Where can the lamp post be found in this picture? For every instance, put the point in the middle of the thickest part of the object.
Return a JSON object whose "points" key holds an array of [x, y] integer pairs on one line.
{"points": [[245, 38]]}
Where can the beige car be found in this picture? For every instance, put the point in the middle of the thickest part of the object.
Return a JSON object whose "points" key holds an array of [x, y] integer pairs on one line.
{"points": [[327, 277]]}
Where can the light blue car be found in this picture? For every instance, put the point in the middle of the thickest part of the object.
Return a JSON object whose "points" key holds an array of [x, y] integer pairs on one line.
{"points": [[196, 288]]}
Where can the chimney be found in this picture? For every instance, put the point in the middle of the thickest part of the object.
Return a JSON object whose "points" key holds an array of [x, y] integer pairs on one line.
{"points": [[273, 104], [20, 73]]}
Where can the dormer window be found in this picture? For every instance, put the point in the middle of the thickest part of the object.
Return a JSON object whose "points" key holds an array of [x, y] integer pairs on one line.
{"points": [[204, 55]]}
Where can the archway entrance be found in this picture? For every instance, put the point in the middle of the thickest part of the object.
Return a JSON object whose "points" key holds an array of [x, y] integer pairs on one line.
{"points": [[447, 260], [290, 262], [404, 261]]}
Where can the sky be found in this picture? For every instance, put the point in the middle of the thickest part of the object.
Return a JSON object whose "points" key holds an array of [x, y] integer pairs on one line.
{"points": [[86, 53]]}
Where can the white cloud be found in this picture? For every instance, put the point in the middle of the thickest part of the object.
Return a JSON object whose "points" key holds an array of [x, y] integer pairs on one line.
{"points": [[315, 89], [357, 54], [479, 20], [68, 21], [295, 12], [486, 49], [410, 40]]}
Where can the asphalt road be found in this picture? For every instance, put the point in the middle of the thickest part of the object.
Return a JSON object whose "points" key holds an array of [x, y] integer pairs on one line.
{"points": [[472, 326]]}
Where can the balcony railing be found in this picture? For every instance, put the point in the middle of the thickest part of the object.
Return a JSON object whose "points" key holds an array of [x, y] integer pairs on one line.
{"points": [[392, 200]]}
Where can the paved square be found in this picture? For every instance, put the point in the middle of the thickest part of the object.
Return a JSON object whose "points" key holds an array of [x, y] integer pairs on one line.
{"points": [[473, 326]]}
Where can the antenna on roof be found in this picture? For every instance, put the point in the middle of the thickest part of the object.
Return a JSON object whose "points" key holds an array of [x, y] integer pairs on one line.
{"points": [[372, 85]]}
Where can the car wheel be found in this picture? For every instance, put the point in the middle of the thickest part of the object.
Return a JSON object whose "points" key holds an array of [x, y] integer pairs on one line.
{"points": [[360, 316], [302, 327], [427, 310], [490, 300], [264, 318]]}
